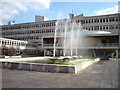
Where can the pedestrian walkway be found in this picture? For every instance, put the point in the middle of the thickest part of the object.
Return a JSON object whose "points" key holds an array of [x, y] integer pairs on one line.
{"points": [[103, 74]]}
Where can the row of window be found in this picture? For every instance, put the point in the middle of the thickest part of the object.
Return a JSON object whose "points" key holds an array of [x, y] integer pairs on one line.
{"points": [[101, 20], [32, 32], [28, 26], [28, 38], [10, 42], [105, 27], [29, 32]]}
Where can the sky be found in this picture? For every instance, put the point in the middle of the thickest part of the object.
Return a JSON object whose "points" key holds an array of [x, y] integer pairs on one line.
{"points": [[24, 11]]}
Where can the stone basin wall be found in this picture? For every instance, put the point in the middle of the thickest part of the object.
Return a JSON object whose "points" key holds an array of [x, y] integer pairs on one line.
{"points": [[47, 67]]}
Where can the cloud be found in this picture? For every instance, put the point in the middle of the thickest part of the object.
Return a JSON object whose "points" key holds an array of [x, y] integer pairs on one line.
{"points": [[110, 10], [10, 8]]}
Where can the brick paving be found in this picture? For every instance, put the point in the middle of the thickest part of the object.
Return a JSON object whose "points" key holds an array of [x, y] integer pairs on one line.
{"points": [[103, 74]]}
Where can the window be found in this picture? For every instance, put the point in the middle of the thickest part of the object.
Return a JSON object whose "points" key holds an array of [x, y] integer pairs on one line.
{"points": [[111, 27], [92, 20], [101, 20], [2, 42], [103, 27], [89, 21], [116, 27], [86, 21], [103, 41], [96, 20], [37, 25], [82, 21], [106, 19], [113, 19], [89, 28], [92, 28], [116, 19], [106, 27]]}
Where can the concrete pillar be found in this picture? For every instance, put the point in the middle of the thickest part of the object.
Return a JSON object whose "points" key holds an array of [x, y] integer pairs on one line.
{"points": [[112, 56], [1, 42], [116, 53], [94, 53], [119, 40], [42, 42], [105, 27], [61, 52], [93, 27], [44, 52], [108, 27], [102, 27], [104, 52]]}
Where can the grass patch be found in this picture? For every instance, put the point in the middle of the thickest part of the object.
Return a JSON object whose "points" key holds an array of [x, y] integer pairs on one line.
{"points": [[59, 62], [74, 62]]}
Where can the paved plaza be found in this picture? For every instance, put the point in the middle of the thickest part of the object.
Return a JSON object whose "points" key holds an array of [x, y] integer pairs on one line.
{"points": [[103, 74]]}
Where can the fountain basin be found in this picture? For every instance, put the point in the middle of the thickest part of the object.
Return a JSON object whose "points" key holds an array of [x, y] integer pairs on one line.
{"points": [[54, 68]]}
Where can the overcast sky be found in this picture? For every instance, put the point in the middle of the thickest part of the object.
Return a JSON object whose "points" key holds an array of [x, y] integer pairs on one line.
{"points": [[23, 11]]}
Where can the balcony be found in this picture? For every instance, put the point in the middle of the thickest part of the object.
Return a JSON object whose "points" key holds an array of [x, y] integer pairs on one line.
{"points": [[97, 46]]}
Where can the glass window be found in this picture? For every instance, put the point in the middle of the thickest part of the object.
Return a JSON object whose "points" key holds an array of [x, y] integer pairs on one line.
{"points": [[106, 19], [106, 27], [101, 20]]}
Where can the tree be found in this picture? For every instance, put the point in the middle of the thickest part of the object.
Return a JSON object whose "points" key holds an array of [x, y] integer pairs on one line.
{"points": [[4, 50], [12, 51]]}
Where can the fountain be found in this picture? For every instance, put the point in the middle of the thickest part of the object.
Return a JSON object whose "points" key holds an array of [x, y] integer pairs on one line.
{"points": [[71, 36]]}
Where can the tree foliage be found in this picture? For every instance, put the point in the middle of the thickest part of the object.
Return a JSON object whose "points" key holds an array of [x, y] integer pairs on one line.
{"points": [[10, 51]]}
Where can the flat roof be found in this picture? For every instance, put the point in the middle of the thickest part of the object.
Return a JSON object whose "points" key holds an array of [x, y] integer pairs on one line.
{"points": [[62, 19], [13, 40]]}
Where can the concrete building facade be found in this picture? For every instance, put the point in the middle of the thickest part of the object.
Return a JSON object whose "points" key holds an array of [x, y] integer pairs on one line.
{"points": [[40, 35]]}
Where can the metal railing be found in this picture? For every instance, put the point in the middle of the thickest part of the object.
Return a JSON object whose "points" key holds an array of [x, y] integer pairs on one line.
{"points": [[108, 44], [51, 45], [98, 45]]}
